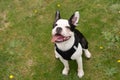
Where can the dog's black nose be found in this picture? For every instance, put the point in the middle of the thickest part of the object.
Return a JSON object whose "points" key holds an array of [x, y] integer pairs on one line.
{"points": [[58, 30]]}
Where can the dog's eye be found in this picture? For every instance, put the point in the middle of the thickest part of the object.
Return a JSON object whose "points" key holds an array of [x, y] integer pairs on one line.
{"points": [[68, 27], [55, 24]]}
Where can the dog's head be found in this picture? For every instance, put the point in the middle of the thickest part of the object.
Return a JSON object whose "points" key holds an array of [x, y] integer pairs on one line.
{"points": [[63, 29]]}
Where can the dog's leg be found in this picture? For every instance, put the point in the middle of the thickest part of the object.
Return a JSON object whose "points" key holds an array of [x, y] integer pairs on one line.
{"points": [[66, 66], [87, 53], [56, 55], [80, 67]]}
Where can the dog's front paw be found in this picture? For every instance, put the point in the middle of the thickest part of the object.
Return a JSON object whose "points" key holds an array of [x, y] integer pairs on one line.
{"points": [[87, 53], [65, 71], [80, 73], [56, 57]]}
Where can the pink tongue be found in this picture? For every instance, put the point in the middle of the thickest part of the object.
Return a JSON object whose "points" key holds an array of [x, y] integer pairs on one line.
{"points": [[55, 38]]}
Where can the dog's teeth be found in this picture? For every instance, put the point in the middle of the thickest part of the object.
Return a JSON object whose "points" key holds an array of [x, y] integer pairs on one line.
{"points": [[67, 37]]}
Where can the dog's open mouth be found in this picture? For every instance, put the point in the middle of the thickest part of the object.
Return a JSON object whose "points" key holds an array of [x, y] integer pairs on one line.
{"points": [[59, 38]]}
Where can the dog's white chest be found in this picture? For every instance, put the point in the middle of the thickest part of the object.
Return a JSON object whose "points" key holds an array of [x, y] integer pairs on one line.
{"points": [[77, 53]]}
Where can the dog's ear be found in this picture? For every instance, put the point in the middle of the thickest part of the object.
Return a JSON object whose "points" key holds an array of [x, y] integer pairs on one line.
{"points": [[74, 18], [57, 17]]}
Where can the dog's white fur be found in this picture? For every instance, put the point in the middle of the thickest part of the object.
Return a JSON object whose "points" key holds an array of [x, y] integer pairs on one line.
{"points": [[66, 45]]}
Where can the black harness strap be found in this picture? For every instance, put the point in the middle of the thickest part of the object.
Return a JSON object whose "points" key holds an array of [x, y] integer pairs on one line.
{"points": [[67, 54]]}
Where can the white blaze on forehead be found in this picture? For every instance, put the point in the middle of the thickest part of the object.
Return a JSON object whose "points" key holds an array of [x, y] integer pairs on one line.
{"points": [[62, 22]]}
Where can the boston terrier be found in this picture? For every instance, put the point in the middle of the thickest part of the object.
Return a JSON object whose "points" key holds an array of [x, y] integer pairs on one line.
{"points": [[69, 42]]}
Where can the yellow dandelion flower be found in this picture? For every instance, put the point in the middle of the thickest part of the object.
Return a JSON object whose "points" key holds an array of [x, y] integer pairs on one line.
{"points": [[118, 61], [101, 47], [58, 5], [11, 76], [119, 12], [35, 11]]}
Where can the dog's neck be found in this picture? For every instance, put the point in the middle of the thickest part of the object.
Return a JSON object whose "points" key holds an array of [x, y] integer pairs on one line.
{"points": [[64, 46]]}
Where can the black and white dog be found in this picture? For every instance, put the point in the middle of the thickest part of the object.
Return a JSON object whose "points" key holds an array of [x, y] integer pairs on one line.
{"points": [[69, 42]]}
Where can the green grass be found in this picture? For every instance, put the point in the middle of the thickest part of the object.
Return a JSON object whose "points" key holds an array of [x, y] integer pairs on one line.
{"points": [[25, 34]]}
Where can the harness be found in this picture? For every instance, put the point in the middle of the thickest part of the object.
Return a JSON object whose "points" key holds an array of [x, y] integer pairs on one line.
{"points": [[67, 54]]}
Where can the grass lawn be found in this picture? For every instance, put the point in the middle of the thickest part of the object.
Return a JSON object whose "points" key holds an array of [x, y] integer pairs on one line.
{"points": [[26, 51]]}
